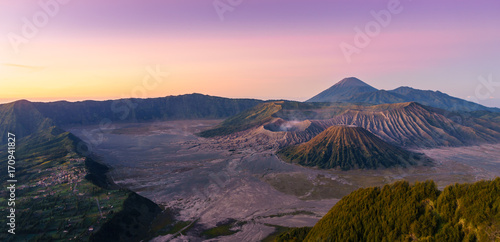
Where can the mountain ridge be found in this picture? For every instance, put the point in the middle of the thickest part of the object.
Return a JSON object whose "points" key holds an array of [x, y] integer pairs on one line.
{"points": [[23, 117], [409, 124], [348, 90]]}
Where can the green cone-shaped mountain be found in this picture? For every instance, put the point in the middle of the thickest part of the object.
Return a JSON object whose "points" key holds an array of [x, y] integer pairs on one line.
{"points": [[347, 148]]}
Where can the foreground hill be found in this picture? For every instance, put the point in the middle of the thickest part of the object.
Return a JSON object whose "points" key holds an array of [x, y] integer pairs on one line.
{"points": [[62, 195], [347, 148], [353, 90], [414, 125], [404, 212]]}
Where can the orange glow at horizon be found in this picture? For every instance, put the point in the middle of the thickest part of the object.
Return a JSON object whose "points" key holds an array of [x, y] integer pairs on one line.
{"points": [[269, 67]]}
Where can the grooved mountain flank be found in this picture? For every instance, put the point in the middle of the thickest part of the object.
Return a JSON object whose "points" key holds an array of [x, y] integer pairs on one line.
{"points": [[413, 125], [347, 148], [404, 124]]}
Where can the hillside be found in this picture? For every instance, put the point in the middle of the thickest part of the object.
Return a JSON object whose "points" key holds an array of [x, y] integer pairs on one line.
{"points": [[403, 124], [414, 125], [21, 118], [253, 117], [343, 91], [24, 118], [353, 90], [420, 212], [192, 106], [347, 148], [62, 195], [439, 100], [267, 113]]}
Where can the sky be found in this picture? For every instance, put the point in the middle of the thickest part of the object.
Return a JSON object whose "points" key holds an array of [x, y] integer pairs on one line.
{"points": [[282, 49]]}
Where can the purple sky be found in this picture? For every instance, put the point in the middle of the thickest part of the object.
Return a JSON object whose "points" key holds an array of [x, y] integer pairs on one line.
{"points": [[264, 49]]}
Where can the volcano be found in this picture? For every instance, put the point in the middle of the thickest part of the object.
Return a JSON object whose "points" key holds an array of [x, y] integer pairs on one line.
{"points": [[343, 91], [347, 147]]}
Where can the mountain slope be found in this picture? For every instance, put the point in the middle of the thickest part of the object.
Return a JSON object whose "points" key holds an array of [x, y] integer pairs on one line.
{"points": [[253, 117], [420, 212], [62, 195], [439, 100], [343, 91], [404, 124], [22, 119], [378, 97], [356, 91], [414, 125], [192, 106], [347, 148]]}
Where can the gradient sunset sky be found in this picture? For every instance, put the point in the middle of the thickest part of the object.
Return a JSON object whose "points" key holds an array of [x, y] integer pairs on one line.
{"points": [[287, 49]]}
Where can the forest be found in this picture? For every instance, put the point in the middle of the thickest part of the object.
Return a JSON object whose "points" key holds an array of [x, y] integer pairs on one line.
{"points": [[405, 212]]}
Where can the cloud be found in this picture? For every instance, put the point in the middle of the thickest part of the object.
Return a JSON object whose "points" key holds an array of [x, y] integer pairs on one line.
{"points": [[26, 67]]}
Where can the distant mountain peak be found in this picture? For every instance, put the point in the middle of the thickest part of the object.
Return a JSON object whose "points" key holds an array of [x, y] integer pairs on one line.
{"points": [[23, 106], [342, 90], [405, 88], [351, 81], [353, 90]]}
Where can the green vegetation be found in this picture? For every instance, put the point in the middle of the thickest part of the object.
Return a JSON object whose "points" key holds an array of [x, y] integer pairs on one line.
{"points": [[131, 223], [165, 223], [62, 195], [312, 188], [347, 148], [420, 212], [253, 117], [293, 235], [278, 230], [222, 229], [55, 201]]}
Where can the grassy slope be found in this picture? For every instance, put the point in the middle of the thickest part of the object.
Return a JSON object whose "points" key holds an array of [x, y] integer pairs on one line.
{"points": [[253, 117], [55, 200], [347, 148], [293, 235], [397, 212]]}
